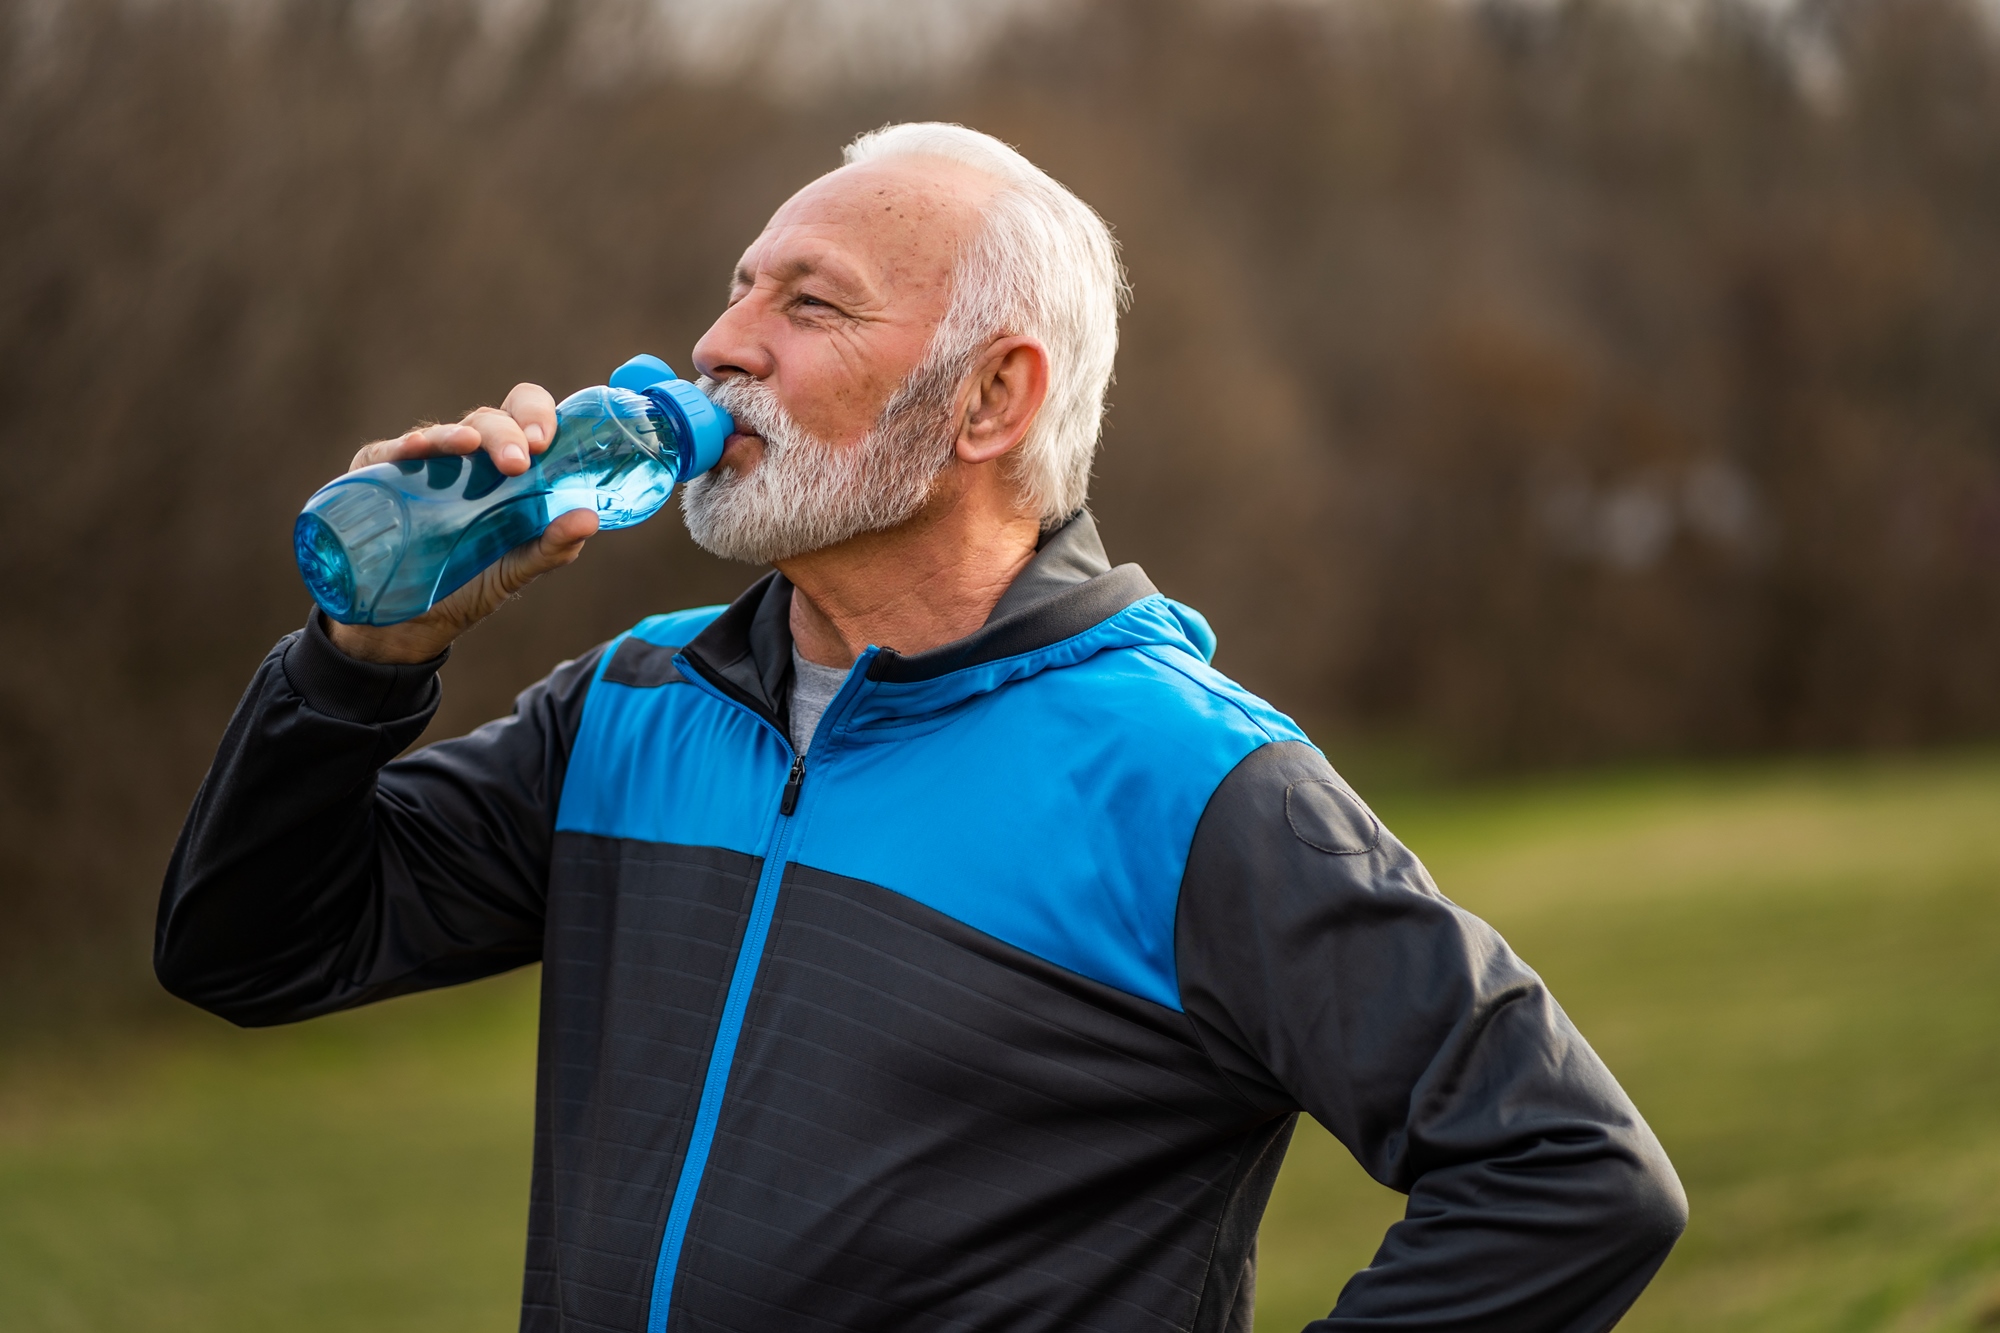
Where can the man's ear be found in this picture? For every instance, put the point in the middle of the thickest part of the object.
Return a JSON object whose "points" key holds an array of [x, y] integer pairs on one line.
{"points": [[1001, 398]]}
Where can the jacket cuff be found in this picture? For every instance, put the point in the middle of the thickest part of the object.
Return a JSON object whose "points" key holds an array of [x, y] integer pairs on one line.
{"points": [[351, 690]]}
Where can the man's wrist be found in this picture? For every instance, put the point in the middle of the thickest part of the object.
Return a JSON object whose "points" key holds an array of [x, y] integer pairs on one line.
{"points": [[407, 644], [354, 689]]}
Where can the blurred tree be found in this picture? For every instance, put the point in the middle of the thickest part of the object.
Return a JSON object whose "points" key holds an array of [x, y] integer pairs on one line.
{"points": [[1533, 383]]}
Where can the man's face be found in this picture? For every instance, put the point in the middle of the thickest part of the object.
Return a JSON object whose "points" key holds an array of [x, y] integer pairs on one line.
{"points": [[835, 303], [843, 425]]}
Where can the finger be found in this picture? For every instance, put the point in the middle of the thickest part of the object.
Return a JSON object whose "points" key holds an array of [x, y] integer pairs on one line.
{"points": [[571, 529], [535, 408], [561, 542], [421, 442], [501, 436], [382, 451]]}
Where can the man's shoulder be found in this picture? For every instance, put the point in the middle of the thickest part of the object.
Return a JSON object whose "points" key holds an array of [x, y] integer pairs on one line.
{"points": [[1165, 682], [642, 655], [1213, 698], [1147, 718], [673, 629]]}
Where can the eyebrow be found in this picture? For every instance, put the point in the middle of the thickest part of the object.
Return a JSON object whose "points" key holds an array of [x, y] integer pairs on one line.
{"points": [[795, 270]]}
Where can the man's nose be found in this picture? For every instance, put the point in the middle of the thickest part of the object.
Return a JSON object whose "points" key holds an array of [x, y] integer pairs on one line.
{"points": [[733, 345]]}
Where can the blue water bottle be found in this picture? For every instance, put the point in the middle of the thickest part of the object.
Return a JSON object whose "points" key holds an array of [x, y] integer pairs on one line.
{"points": [[386, 543]]}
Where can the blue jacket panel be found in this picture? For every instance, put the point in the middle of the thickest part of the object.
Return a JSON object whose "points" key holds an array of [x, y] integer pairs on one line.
{"points": [[673, 766]]}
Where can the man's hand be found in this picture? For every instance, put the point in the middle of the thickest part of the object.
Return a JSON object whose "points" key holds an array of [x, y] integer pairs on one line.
{"points": [[512, 433]]}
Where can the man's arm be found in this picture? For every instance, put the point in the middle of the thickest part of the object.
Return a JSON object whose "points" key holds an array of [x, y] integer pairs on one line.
{"points": [[309, 877], [302, 883], [1324, 972]]}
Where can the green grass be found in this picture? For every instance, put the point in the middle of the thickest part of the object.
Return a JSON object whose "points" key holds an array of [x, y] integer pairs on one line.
{"points": [[368, 1171], [1794, 971]]}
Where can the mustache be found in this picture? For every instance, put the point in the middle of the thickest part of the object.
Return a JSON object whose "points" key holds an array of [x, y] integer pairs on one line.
{"points": [[753, 405]]}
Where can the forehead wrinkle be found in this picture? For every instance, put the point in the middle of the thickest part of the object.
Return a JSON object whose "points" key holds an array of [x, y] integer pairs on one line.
{"points": [[790, 270]]}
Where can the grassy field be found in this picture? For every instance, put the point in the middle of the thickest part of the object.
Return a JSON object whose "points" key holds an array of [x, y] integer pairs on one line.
{"points": [[1795, 971]]}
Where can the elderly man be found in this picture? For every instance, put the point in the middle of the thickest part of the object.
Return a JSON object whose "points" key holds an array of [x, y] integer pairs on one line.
{"points": [[931, 939]]}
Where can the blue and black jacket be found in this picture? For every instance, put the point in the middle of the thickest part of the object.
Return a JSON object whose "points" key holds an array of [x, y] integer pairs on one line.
{"points": [[993, 1014]]}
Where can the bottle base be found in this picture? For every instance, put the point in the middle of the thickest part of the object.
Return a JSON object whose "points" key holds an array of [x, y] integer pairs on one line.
{"points": [[322, 558]]}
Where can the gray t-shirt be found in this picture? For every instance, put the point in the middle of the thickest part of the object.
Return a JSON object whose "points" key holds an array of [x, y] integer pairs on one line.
{"points": [[813, 688]]}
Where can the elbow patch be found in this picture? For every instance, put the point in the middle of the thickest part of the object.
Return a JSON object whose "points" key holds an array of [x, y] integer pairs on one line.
{"points": [[1325, 816]]}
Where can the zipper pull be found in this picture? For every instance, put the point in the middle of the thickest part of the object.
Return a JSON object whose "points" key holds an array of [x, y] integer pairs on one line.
{"points": [[792, 785]]}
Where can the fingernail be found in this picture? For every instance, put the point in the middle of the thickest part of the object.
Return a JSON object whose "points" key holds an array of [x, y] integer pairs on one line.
{"points": [[515, 455], [535, 434]]}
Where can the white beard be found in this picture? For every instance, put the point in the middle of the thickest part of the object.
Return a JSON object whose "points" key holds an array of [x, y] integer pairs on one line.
{"points": [[806, 495]]}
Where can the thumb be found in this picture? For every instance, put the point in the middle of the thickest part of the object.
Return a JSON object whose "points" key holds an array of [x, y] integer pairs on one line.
{"points": [[561, 542]]}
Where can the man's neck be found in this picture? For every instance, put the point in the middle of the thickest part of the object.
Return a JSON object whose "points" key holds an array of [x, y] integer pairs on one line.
{"points": [[931, 581]]}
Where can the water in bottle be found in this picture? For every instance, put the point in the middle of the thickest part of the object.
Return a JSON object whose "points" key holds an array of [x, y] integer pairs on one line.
{"points": [[385, 543]]}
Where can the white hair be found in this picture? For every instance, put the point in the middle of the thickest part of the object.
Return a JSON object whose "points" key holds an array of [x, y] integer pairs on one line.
{"points": [[1043, 265]]}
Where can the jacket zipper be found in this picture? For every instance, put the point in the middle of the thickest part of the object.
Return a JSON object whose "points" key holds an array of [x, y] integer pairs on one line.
{"points": [[790, 801], [742, 981], [715, 1081]]}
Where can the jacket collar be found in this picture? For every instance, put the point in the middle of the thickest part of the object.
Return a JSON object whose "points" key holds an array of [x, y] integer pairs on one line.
{"points": [[1071, 554], [1066, 589]]}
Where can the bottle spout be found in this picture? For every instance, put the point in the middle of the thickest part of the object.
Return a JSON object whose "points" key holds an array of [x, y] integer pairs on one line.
{"points": [[641, 373], [708, 426]]}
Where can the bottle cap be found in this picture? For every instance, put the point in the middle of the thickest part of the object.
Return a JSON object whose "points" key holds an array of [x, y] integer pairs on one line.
{"points": [[708, 426]]}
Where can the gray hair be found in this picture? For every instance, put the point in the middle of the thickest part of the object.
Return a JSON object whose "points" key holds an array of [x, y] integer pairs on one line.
{"points": [[1043, 265]]}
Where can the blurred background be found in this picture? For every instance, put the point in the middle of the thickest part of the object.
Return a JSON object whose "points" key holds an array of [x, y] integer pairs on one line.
{"points": [[1584, 417]]}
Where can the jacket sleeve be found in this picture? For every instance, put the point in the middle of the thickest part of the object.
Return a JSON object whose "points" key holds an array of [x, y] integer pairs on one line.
{"points": [[1325, 973], [313, 874]]}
